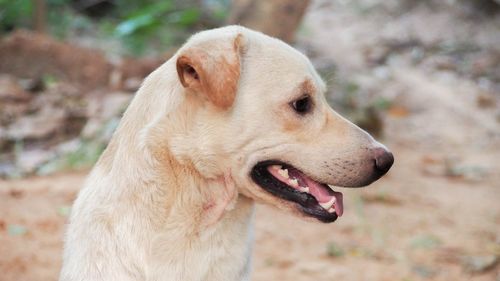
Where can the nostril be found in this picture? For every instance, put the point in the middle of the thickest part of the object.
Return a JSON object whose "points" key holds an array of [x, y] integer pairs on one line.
{"points": [[383, 160]]}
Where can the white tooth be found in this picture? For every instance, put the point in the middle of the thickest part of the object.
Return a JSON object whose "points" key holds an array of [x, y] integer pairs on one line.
{"points": [[276, 167], [304, 189], [283, 173], [328, 204], [294, 182], [331, 210]]}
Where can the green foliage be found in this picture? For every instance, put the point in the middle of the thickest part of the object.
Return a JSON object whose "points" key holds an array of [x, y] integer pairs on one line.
{"points": [[84, 156], [64, 210], [382, 103], [15, 13], [19, 14], [334, 250], [144, 19], [160, 23], [139, 25], [60, 21], [49, 80]]}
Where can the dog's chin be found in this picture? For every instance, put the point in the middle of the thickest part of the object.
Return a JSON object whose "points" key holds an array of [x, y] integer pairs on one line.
{"points": [[309, 197]]}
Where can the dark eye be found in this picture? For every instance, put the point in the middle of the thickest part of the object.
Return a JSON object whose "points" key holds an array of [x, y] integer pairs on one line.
{"points": [[302, 105]]}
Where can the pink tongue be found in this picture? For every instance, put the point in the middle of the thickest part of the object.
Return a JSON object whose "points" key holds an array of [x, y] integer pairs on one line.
{"points": [[323, 194], [318, 190]]}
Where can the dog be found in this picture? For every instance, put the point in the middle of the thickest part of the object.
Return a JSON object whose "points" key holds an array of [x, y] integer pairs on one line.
{"points": [[235, 117]]}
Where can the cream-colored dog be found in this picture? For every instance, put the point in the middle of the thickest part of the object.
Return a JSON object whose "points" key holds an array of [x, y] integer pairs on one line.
{"points": [[235, 117]]}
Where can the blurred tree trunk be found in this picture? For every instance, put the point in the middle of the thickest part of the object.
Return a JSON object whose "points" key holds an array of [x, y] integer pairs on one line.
{"points": [[278, 18], [40, 16]]}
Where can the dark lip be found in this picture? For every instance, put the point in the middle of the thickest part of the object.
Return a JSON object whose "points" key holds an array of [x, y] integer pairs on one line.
{"points": [[305, 202]]}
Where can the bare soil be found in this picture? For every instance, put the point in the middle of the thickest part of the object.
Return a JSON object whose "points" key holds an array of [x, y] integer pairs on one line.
{"points": [[407, 226]]}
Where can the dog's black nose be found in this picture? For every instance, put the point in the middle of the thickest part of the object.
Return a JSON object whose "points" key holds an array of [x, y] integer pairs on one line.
{"points": [[383, 160]]}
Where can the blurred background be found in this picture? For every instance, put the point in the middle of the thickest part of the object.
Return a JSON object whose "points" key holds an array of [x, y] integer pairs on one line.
{"points": [[423, 76]]}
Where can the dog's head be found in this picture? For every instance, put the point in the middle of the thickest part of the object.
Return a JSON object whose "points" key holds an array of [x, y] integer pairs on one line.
{"points": [[259, 110]]}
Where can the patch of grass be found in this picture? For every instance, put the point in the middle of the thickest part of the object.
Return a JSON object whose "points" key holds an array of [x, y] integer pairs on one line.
{"points": [[64, 211], [84, 156], [269, 262], [382, 103], [382, 198], [333, 250], [360, 252], [426, 241], [49, 80]]}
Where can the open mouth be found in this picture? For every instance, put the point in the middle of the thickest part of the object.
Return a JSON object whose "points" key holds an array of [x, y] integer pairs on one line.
{"points": [[315, 199]]}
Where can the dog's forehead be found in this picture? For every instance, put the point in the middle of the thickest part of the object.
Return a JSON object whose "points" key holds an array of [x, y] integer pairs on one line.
{"points": [[284, 73], [274, 62]]}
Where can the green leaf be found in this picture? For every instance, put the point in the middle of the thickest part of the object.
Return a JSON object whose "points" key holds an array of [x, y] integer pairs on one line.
{"points": [[334, 250], [154, 9], [49, 80], [382, 103], [15, 13], [185, 18], [64, 210], [132, 25]]}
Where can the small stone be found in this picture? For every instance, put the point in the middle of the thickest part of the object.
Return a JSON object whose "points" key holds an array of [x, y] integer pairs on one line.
{"points": [[478, 264], [39, 125], [11, 90], [132, 84], [29, 161], [485, 100]]}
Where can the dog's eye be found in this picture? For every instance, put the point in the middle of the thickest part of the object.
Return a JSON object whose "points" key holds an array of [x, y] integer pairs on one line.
{"points": [[302, 105]]}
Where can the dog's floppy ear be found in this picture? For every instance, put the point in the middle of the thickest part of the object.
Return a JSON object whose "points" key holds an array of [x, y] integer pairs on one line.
{"points": [[212, 68]]}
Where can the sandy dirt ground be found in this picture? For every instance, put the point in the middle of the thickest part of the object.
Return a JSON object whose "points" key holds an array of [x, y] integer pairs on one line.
{"points": [[435, 216], [408, 226]]}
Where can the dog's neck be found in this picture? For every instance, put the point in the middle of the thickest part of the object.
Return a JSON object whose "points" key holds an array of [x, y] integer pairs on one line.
{"points": [[147, 152]]}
